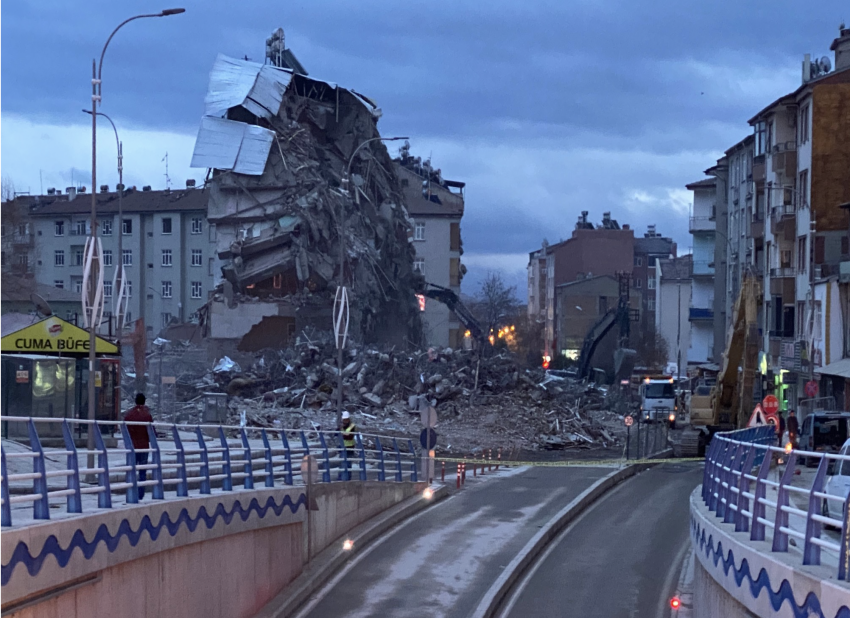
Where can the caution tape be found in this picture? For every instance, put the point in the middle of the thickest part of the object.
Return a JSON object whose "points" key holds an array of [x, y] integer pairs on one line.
{"points": [[566, 463]]}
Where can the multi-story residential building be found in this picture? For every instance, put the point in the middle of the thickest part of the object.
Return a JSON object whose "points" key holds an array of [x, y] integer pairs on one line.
{"points": [[672, 316], [436, 207], [647, 252], [168, 248], [17, 239], [701, 310]]}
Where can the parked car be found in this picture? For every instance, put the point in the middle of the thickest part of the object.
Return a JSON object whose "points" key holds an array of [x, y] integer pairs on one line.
{"points": [[824, 431], [838, 484]]}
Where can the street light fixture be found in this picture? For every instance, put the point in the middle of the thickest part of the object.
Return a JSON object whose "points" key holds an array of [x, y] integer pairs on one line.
{"points": [[340, 318], [93, 266]]}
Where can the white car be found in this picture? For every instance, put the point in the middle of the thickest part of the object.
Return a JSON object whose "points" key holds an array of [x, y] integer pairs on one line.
{"points": [[838, 484]]}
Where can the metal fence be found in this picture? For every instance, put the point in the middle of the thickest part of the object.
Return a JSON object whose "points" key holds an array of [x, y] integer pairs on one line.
{"points": [[736, 483], [184, 459], [646, 438]]}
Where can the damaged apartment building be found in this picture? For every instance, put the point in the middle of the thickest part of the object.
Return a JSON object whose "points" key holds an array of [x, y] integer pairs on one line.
{"points": [[277, 144]]}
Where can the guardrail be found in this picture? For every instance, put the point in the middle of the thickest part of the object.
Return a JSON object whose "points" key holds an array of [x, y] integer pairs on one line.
{"points": [[186, 459], [732, 491]]}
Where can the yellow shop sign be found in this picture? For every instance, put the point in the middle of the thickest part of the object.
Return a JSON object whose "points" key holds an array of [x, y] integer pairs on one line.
{"points": [[54, 335]]}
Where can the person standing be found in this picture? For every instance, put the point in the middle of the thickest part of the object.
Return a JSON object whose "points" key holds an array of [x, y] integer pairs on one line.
{"points": [[793, 428], [140, 413], [348, 430]]}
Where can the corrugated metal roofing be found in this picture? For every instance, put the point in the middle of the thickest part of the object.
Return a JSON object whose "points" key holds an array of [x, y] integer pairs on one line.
{"points": [[229, 145], [259, 88]]}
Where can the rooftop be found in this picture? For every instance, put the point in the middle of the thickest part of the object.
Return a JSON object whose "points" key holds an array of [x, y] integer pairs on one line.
{"points": [[677, 268], [442, 202], [705, 183], [135, 201], [19, 289], [657, 246]]}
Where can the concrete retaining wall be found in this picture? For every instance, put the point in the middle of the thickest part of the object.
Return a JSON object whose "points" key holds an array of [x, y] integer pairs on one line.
{"points": [[225, 554], [711, 599]]}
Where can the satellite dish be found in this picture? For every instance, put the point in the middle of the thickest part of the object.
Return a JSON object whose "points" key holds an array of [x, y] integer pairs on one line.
{"points": [[41, 305], [825, 64]]}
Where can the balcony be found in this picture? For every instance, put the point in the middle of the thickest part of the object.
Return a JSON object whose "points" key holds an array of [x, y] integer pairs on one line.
{"points": [[703, 268], [757, 227], [758, 169], [784, 211], [783, 271], [20, 241], [784, 159], [844, 272], [701, 224], [696, 314]]}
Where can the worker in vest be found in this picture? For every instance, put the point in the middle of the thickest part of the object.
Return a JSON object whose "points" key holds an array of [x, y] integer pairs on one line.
{"points": [[348, 430]]}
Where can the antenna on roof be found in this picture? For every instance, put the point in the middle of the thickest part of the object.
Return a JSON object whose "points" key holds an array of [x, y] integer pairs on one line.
{"points": [[167, 178]]}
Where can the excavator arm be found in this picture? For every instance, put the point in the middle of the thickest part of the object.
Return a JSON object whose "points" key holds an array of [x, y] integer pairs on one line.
{"points": [[451, 300]]}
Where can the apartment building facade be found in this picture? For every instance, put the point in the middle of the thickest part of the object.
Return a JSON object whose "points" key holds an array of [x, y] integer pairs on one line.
{"points": [[702, 227], [672, 317], [168, 249], [436, 206]]}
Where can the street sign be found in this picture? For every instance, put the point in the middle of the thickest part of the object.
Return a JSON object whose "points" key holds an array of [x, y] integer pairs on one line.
{"points": [[770, 404], [429, 416], [811, 388], [428, 438], [22, 376], [309, 470], [629, 421]]}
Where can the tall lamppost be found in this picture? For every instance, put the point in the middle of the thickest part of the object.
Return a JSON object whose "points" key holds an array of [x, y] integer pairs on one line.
{"points": [[340, 318], [92, 267]]}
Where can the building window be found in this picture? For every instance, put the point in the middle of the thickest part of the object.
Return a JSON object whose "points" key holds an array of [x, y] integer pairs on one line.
{"points": [[166, 289], [107, 257], [212, 232], [71, 317], [78, 257], [419, 232], [650, 283], [419, 265], [127, 257], [59, 228], [760, 138], [80, 228], [197, 225], [804, 124], [106, 227], [166, 257], [78, 286], [197, 257], [638, 261], [650, 304], [650, 261], [23, 259], [127, 227], [801, 254], [803, 188], [166, 225], [59, 257], [107, 289], [58, 283], [196, 289], [166, 319], [638, 283], [211, 262], [129, 289]]}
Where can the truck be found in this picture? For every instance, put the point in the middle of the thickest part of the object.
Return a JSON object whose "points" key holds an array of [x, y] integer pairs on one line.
{"points": [[657, 398]]}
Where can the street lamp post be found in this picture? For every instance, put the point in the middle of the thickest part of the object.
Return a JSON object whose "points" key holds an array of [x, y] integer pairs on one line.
{"points": [[341, 303], [94, 266]]}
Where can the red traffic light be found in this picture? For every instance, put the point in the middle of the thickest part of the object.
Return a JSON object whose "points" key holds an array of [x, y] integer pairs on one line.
{"points": [[675, 603]]}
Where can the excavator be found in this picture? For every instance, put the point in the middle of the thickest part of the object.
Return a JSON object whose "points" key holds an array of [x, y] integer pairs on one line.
{"points": [[621, 315], [727, 404], [451, 300]]}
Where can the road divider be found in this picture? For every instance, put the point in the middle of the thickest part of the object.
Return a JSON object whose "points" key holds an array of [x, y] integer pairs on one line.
{"points": [[479, 464]]}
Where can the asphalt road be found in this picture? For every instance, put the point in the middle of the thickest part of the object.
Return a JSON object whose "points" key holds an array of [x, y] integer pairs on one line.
{"points": [[443, 561], [621, 558]]}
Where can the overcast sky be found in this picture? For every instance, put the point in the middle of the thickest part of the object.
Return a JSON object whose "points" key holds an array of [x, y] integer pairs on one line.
{"points": [[543, 108]]}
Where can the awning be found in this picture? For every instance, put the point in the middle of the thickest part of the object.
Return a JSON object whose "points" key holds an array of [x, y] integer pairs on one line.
{"points": [[838, 368], [54, 335]]}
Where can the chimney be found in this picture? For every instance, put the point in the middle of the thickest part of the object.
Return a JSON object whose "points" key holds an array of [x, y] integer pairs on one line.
{"points": [[104, 188], [51, 191], [673, 249], [190, 183], [626, 226], [841, 47], [146, 188], [81, 190], [650, 231], [72, 193]]}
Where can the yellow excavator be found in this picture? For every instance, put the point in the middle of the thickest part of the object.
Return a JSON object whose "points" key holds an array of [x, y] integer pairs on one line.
{"points": [[727, 404]]}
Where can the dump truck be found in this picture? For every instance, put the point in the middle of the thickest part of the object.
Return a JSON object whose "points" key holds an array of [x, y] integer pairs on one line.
{"points": [[727, 404]]}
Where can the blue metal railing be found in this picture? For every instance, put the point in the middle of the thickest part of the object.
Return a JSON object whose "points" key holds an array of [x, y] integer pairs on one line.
{"points": [[735, 487], [183, 459]]}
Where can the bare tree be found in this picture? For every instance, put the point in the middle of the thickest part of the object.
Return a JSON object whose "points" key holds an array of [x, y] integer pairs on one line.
{"points": [[652, 350], [7, 189], [495, 303]]}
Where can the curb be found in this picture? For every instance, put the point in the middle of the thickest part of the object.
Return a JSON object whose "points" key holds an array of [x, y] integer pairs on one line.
{"points": [[498, 592], [325, 565]]}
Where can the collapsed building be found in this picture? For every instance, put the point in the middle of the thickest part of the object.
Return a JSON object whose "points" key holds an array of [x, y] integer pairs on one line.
{"points": [[277, 144]]}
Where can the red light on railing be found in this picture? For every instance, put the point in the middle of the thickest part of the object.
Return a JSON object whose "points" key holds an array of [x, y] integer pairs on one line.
{"points": [[675, 603]]}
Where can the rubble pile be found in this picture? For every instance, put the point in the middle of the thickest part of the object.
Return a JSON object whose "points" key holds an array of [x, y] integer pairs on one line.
{"points": [[480, 401]]}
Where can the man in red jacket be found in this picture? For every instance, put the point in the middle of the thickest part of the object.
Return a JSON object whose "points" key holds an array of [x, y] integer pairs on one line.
{"points": [[139, 435]]}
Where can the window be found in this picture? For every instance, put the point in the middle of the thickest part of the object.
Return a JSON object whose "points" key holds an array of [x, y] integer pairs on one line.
{"points": [[80, 228], [638, 283], [769, 143], [650, 283], [129, 289], [212, 232], [650, 261], [166, 319], [166, 257], [166, 225], [650, 304], [803, 189], [59, 257], [638, 261], [211, 262], [59, 228], [197, 257], [58, 283], [196, 289], [419, 232], [106, 227], [166, 289], [801, 254], [23, 259], [197, 225], [78, 285], [127, 257], [71, 317], [804, 124], [454, 237], [107, 289], [760, 138], [419, 265], [127, 227], [78, 257], [107, 257], [454, 271]]}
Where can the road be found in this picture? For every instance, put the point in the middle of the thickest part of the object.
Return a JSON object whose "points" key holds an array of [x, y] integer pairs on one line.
{"points": [[442, 562], [621, 558]]}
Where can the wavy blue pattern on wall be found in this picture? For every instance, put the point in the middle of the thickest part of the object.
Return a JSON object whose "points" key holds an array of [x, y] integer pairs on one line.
{"points": [[51, 547], [811, 604]]}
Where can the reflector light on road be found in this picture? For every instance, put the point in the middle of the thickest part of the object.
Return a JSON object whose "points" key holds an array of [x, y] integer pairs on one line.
{"points": [[427, 494], [675, 603], [348, 544]]}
